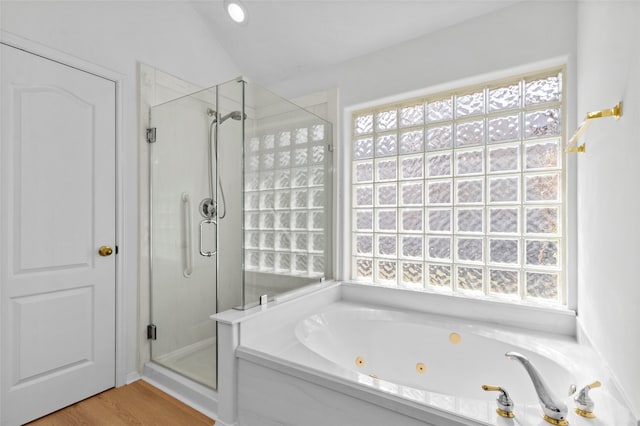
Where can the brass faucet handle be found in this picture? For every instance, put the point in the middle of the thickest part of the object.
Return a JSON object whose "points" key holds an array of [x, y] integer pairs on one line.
{"points": [[584, 403], [491, 388], [505, 404]]}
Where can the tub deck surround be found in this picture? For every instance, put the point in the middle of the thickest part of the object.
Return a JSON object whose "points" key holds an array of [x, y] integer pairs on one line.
{"points": [[327, 357], [229, 330], [550, 318]]}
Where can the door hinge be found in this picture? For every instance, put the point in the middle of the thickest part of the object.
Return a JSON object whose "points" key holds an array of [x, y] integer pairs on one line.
{"points": [[151, 134], [152, 333]]}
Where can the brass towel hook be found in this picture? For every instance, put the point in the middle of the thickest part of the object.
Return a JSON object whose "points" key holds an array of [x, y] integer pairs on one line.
{"points": [[616, 112]]}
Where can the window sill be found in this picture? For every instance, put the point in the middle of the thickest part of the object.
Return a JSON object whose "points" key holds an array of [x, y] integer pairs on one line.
{"points": [[533, 316]]}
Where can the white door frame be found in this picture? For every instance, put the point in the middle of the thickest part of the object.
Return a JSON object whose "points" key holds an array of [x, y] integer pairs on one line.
{"points": [[119, 80]]}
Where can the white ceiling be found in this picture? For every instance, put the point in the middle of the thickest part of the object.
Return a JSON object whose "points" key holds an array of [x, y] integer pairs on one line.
{"points": [[284, 37]]}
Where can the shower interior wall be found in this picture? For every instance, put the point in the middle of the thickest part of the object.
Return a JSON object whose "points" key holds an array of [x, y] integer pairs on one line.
{"points": [[181, 305], [198, 292], [183, 283], [230, 163], [288, 185], [187, 287]]}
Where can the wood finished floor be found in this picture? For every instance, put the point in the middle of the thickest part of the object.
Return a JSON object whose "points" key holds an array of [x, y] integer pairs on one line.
{"points": [[138, 404]]}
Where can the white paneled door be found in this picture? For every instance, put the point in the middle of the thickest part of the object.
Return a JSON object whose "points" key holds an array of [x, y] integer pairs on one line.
{"points": [[57, 252]]}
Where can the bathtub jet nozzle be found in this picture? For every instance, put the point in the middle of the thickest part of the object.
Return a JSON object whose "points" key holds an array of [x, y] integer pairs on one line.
{"points": [[553, 409]]}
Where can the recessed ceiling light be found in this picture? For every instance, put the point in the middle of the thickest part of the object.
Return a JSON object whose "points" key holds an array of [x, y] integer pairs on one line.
{"points": [[236, 11]]}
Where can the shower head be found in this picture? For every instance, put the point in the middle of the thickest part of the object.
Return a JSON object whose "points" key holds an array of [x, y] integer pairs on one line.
{"points": [[236, 115]]}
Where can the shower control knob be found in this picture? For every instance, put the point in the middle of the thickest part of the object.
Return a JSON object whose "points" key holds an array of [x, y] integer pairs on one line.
{"points": [[105, 251]]}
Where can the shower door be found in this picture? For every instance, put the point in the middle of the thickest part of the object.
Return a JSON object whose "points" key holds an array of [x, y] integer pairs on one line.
{"points": [[183, 281], [240, 190]]}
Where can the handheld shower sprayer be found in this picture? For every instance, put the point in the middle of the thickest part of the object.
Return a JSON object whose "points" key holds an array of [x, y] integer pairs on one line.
{"points": [[217, 118], [210, 204]]}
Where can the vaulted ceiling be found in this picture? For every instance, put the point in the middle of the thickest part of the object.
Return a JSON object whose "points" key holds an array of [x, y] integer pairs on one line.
{"points": [[284, 37]]}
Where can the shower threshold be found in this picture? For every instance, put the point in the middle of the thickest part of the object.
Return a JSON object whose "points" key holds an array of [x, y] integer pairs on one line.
{"points": [[195, 395], [196, 361], [175, 379]]}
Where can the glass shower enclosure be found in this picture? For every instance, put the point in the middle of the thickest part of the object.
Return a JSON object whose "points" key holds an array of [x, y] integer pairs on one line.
{"points": [[240, 207]]}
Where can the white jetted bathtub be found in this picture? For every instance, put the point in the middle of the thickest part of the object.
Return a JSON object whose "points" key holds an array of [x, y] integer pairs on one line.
{"points": [[425, 353], [338, 361]]}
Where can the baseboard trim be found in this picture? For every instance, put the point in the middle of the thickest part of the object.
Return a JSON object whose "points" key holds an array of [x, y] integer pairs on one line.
{"points": [[133, 376]]}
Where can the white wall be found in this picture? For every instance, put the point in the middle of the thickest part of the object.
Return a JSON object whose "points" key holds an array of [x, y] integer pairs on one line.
{"points": [[496, 45], [117, 35], [600, 41], [608, 175], [510, 37]]}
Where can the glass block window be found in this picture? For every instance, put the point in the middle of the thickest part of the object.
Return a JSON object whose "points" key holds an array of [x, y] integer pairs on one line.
{"points": [[284, 200], [463, 191]]}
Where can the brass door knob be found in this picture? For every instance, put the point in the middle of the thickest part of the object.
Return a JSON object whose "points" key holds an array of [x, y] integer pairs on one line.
{"points": [[105, 251]]}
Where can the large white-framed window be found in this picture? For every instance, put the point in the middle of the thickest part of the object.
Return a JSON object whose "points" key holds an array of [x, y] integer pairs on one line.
{"points": [[462, 191]]}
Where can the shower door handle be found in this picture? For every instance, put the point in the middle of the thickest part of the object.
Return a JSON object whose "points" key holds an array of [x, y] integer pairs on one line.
{"points": [[202, 251], [188, 257]]}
